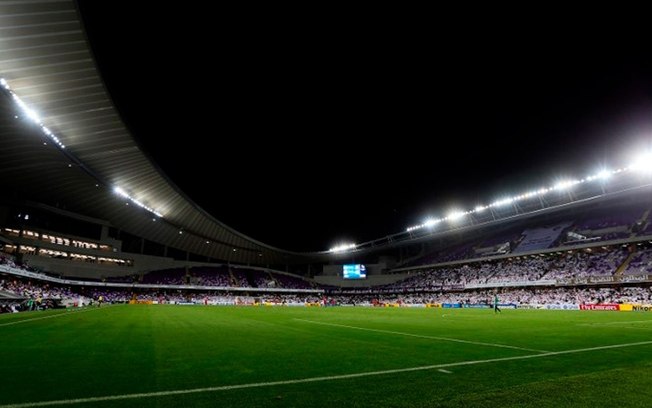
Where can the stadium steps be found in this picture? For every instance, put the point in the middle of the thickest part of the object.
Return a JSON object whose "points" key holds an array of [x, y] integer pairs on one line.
{"points": [[621, 269]]}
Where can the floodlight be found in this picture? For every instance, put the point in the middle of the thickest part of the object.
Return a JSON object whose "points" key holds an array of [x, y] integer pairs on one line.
{"points": [[120, 192], [26, 110], [603, 175], [455, 215], [430, 222], [502, 202], [642, 163], [565, 184], [342, 248]]}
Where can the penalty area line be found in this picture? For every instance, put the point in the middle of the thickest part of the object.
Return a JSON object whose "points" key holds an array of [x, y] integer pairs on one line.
{"points": [[421, 336], [311, 379]]}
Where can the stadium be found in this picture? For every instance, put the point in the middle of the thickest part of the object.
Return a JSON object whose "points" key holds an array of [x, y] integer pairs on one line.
{"points": [[117, 289]]}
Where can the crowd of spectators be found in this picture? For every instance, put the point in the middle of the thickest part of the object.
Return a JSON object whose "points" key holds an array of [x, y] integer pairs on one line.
{"points": [[641, 263], [516, 296], [519, 269], [40, 292], [226, 277]]}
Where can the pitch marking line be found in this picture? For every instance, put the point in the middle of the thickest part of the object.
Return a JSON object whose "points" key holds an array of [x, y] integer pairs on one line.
{"points": [[50, 316], [311, 379], [636, 328], [477, 343], [615, 323], [441, 370]]}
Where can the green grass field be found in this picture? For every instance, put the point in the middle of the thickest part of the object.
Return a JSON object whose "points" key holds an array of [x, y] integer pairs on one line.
{"points": [[186, 356]]}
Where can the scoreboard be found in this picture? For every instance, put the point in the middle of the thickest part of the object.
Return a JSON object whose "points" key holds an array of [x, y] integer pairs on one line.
{"points": [[354, 271]]}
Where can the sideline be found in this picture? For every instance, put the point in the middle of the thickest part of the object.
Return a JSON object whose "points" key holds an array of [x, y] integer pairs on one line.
{"points": [[52, 316]]}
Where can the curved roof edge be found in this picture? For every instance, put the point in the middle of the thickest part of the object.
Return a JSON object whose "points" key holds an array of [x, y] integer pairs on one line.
{"points": [[48, 62]]}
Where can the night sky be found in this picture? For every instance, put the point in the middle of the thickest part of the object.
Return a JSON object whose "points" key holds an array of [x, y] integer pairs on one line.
{"points": [[330, 129]]}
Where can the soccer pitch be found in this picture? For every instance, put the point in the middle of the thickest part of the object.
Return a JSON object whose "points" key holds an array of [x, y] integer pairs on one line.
{"points": [[192, 356]]}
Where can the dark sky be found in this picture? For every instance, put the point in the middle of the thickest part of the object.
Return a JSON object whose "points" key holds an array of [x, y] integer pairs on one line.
{"points": [[328, 128]]}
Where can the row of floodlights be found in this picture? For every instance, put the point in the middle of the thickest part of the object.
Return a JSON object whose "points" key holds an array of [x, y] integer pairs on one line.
{"points": [[641, 164], [31, 114], [34, 117], [119, 191]]}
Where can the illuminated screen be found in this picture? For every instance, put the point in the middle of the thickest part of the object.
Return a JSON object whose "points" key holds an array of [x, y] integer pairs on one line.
{"points": [[354, 271]]}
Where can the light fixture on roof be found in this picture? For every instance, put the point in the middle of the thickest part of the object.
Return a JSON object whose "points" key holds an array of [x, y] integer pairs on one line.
{"points": [[455, 215], [431, 222], [565, 184], [121, 192], [31, 114], [504, 201], [603, 175], [642, 163], [342, 248]]}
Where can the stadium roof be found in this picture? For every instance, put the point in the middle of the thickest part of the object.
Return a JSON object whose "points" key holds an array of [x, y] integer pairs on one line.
{"points": [[46, 61]]}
